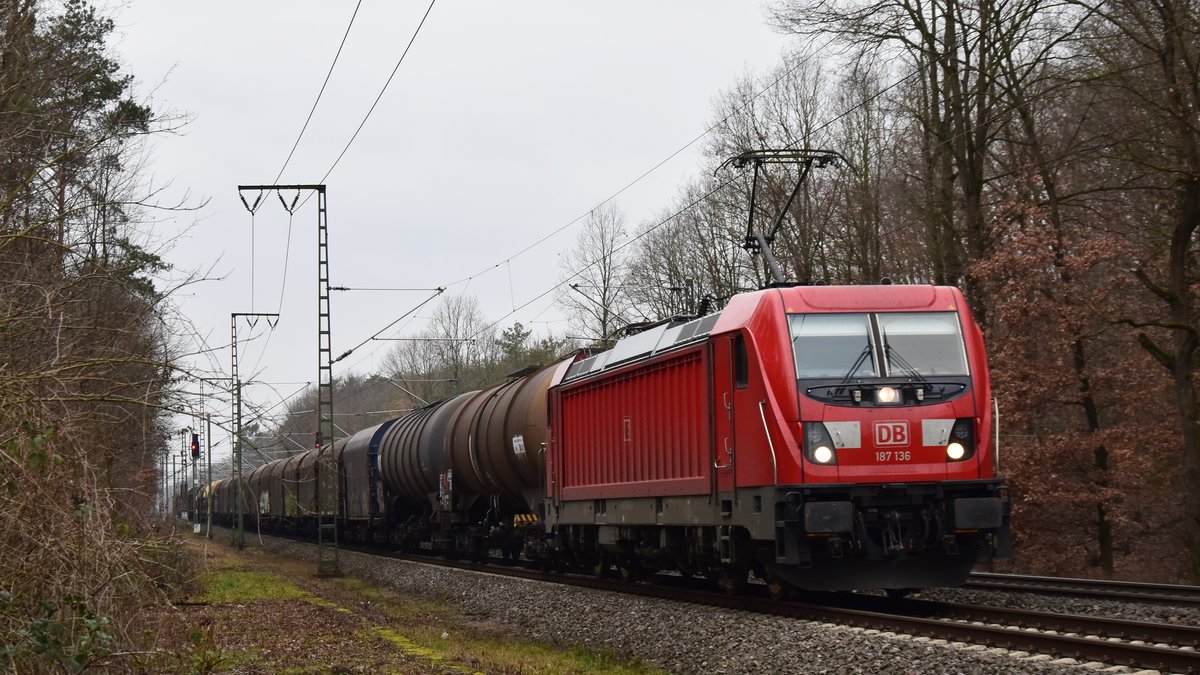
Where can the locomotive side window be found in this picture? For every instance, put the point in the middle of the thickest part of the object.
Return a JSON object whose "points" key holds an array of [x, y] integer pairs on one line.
{"points": [[741, 364], [925, 343], [832, 345]]}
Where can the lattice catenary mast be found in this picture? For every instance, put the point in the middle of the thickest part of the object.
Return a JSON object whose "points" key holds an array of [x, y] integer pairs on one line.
{"points": [[327, 488]]}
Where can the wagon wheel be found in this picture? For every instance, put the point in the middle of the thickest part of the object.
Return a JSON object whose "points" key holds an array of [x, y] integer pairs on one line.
{"points": [[777, 588], [600, 567], [732, 581], [628, 571]]}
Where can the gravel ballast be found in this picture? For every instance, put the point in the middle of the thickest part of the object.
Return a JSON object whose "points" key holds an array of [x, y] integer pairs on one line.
{"points": [[680, 637]]}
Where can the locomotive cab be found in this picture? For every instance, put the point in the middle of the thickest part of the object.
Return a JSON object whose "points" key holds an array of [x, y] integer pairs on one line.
{"points": [[887, 395]]}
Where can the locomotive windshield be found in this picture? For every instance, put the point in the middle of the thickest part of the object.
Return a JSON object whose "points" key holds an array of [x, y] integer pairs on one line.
{"points": [[856, 346], [832, 345]]}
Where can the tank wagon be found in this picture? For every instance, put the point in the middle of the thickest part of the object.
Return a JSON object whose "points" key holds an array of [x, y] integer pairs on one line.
{"points": [[819, 437]]}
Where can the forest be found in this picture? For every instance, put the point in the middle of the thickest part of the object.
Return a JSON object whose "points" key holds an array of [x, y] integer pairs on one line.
{"points": [[86, 374], [1042, 155]]}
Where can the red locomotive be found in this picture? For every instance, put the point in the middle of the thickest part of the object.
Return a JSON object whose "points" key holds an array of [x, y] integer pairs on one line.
{"points": [[821, 437], [824, 437]]}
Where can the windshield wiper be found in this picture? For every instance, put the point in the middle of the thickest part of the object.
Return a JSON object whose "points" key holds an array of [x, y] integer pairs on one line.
{"points": [[857, 363], [894, 357]]}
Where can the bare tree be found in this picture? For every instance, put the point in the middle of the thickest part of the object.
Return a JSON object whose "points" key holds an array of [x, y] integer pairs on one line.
{"points": [[689, 252], [594, 271], [955, 54], [454, 353], [862, 134]]}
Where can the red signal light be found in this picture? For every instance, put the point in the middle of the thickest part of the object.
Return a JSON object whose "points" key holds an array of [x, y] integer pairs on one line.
{"points": [[195, 446]]}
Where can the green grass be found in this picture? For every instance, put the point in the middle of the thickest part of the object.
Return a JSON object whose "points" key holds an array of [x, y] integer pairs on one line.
{"points": [[512, 655], [226, 586]]}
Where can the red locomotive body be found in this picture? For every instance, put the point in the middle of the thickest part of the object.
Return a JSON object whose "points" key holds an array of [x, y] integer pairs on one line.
{"points": [[824, 437], [640, 431]]}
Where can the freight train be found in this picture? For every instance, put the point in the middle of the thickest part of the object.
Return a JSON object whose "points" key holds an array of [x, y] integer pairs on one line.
{"points": [[817, 437]]}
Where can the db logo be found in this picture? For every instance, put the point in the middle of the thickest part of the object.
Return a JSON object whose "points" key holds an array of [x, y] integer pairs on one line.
{"points": [[891, 433]]}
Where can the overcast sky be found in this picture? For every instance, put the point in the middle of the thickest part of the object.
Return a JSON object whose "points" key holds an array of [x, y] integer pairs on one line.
{"points": [[506, 121]]}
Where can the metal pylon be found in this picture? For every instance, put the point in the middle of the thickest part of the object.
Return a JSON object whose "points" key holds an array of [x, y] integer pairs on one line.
{"points": [[328, 498], [239, 528], [239, 538]]}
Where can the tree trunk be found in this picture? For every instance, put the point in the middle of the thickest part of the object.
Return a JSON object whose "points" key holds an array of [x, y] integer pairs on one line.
{"points": [[1091, 412], [1183, 365]]}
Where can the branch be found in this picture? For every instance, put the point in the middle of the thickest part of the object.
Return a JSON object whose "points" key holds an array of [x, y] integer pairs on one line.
{"points": [[1154, 288], [1157, 352]]}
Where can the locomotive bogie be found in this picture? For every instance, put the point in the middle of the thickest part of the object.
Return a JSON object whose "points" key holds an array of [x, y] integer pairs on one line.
{"points": [[886, 536]]}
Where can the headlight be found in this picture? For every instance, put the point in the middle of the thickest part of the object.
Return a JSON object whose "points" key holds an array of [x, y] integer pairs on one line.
{"points": [[818, 444], [886, 395], [962, 440]]}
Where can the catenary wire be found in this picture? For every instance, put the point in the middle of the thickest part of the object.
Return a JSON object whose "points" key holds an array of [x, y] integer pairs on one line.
{"points": [[918, 71], [376, 334], [287, 250], [467, 280], [696, 201], [693, 141], [352, 137], [319, 94], [675, 215], [381, 92], [577, 219]]}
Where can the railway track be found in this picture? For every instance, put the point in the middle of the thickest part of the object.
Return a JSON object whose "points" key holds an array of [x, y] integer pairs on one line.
{"points": [[1102, 640], [1169, 648], [1165, 594]]}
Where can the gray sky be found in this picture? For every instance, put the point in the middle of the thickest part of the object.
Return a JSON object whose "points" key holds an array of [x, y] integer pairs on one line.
{"points": [[506, 121]]}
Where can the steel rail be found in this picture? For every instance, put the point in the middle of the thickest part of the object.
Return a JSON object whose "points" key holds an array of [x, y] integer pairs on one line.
{"points": [[1012, 638], [1166, 594], [1171, 634]]}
